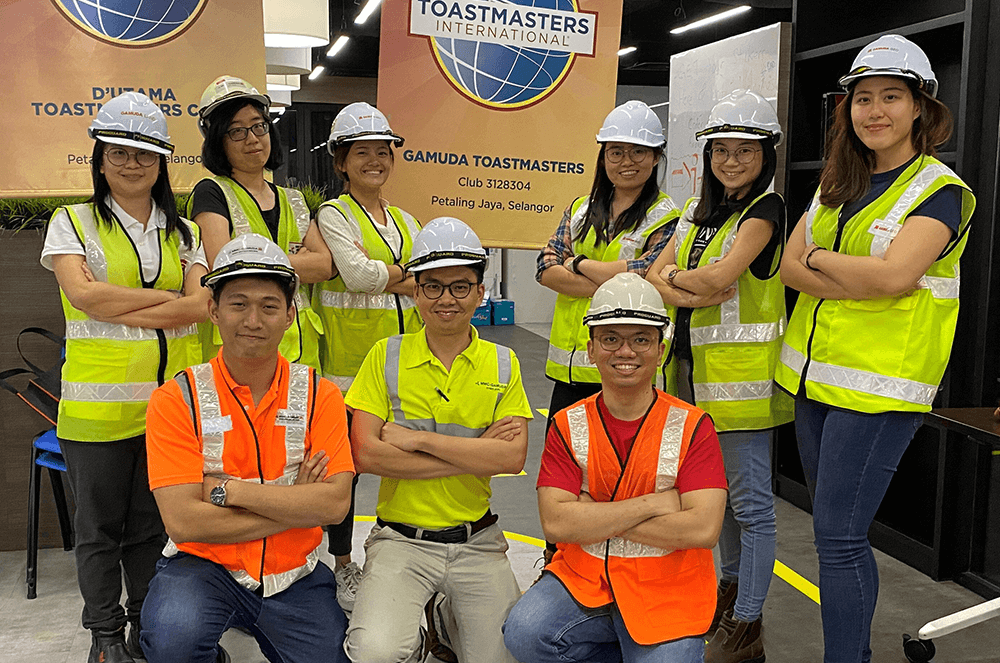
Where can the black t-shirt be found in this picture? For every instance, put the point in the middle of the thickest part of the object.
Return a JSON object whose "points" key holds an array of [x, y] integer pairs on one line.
{"points": [[208, 197], [770, 208], [945, 204]]}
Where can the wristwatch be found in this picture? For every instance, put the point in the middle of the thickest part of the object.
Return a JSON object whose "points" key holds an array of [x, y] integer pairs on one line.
{"points": [[218, 494]]}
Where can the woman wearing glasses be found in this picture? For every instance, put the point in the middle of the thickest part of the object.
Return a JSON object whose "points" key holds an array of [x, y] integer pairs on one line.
{"points": [[238, 147], [726, 346], [129, 270], [876, 261], [621, 226], [370, 298]]}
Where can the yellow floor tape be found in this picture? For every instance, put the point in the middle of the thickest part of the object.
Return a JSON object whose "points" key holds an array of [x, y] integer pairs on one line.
{"points": [[544, 411], [796, 581]]}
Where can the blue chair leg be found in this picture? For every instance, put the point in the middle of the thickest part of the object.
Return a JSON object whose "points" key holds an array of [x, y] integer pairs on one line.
{"points": [[33, 502], [59, 493]]}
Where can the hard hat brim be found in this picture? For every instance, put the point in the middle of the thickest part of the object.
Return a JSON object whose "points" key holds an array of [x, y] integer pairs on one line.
{"points": [[929, 85], [627, 321], [396, 140], [259, 98], [731, 131], [447, 262], [131, 139], [241, 268], [631, 140]]}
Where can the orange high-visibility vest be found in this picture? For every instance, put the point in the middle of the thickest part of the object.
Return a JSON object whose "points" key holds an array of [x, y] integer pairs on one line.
{"points": [[662, 595]]}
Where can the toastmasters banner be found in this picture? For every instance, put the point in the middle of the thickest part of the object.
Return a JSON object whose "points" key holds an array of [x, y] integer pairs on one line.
{"points": [[63, 59], [499, 103]]}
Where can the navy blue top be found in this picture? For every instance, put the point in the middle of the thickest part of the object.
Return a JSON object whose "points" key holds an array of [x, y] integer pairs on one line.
{"points": [[945, 205]]}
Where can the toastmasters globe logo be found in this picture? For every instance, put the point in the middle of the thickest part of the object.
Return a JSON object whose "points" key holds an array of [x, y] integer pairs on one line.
{"points": [[505, 54], [135, 23]]}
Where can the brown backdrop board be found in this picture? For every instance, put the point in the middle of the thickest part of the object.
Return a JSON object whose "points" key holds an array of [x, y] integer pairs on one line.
{"points": [[30, 298], [59, 72], [476, 149]]}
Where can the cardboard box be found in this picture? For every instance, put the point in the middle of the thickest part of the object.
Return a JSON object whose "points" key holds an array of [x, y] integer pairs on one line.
{"points": [[481, 318], [503, 312]]}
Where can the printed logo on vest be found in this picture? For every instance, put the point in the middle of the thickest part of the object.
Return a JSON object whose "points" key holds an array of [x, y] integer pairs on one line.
{"points": [[293, 418]]}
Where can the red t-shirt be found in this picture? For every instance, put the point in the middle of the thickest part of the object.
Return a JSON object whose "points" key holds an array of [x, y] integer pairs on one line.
{"points": [[702, 467]]}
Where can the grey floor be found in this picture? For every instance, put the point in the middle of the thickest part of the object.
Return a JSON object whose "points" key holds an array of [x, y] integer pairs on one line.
{"points": [[47, 629]]}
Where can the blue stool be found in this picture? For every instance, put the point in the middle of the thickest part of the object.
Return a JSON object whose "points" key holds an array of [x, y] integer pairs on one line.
{"points": [[45, 453]]}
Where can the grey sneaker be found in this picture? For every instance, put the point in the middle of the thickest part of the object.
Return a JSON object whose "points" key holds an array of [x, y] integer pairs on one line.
{"points": [[348, 578]]}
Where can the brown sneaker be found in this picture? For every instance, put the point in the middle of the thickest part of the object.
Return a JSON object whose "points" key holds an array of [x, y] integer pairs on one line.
{"points": [[736, 642], [724, 603], [547, 556]]}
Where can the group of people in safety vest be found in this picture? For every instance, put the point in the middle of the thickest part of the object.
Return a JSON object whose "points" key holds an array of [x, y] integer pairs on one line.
{"points": [[227, 378]]}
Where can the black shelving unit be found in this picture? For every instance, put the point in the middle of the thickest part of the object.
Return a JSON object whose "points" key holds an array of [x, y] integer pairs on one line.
{"points": [[915, 522]]}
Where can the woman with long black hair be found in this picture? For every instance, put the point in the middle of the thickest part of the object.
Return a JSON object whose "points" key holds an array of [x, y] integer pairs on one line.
{"points": [[129, 270], [621, 226], [875, 259], [724, 353]]}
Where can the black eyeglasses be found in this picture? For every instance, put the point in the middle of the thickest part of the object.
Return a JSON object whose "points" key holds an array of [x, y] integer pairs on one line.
{"points": [[240, 133], [119, 156], [636, 154], [742, 154], [458, 289], [639, 343]]}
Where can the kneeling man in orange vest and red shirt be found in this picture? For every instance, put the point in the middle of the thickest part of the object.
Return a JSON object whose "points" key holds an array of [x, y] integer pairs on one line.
{"points": [[633, 489]]}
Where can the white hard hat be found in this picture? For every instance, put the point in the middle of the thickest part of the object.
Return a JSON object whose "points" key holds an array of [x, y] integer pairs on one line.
{"points": [[360, 121], [132, 119], [222, 89], [627, 299], [632, 122], [893, 55], [445, 242], [247, 255], [742, 114]]}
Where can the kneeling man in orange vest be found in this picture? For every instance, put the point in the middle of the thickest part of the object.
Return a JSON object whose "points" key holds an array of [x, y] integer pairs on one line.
{"points": [[248, 458], [633, 489]]}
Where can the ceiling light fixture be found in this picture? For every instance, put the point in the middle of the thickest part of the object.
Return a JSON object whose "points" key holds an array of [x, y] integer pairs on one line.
{"points": [[626, 50], [280, 82], [721, 16], [338, 45], [367, 11], [316, 72], [288, 60], [296, 23]]}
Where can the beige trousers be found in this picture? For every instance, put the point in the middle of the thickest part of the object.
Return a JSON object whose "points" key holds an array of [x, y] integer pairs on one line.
{"points": [[401, 574]]}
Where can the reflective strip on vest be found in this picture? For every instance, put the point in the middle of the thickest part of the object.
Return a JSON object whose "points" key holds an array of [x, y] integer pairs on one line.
{"points": [[733, 391], [633, 240], [96, 392], [301, 212], [392, 353], [811, 216], [343, 382], [97, 262], [90, 329], [923, 179], [666, 474], [761, 332], [213, 435], [854, 379], [562, 357], [941, 287], [360, 300], [241, 222]]}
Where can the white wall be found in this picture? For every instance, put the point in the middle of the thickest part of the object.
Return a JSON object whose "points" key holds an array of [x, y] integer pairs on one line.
{"points": [[532, 302]]}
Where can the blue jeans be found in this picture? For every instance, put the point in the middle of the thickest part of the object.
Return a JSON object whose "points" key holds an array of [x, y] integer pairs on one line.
{"points": [[192, 601], [849, 459], [746, 545], [548, 626]]}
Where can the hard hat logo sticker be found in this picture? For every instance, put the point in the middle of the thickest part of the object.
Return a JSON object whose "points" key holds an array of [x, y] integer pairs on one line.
{"points": [[130, 23], [505, 55]]}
